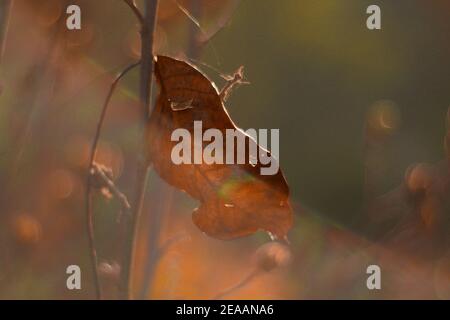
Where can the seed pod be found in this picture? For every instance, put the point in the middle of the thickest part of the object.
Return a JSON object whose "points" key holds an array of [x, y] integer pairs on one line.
{"points": [[272, 255]]}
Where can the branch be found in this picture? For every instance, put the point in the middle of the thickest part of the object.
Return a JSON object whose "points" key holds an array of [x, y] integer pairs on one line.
{"points": [[267, 258], [135, 10], [146, 77], [98, 172], [223, 21], [244, 282], [197, 41], [89, 213]]}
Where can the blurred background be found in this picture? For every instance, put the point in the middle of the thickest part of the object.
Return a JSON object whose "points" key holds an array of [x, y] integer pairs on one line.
{"points": [[363, 125]]}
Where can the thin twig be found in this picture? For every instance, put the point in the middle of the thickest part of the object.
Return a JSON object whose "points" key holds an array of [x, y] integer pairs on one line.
{"points": [[223, 21], [193, 39], [146, 77], [89, 213], [135, 10], [98, 172], [245, 281], [5, 9], [193, 49], [447, 137]]}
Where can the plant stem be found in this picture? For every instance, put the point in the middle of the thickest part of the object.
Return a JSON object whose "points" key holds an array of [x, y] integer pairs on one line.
{"points": [[5, 8], [193, 50], [166, 192], [245, 281], [147, 36], [135, 10], [89, 212], [154, 248], [146, 76]]}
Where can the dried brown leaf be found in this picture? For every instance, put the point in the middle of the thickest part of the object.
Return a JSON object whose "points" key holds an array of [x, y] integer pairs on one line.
{"points": [[236, 200]]}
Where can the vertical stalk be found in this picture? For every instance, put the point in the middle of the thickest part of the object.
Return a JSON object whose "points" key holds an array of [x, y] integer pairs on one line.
{"points": [[193, 50], [146, 76], [447, 138], [166, 192], [88, 196], [5, 8]]}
